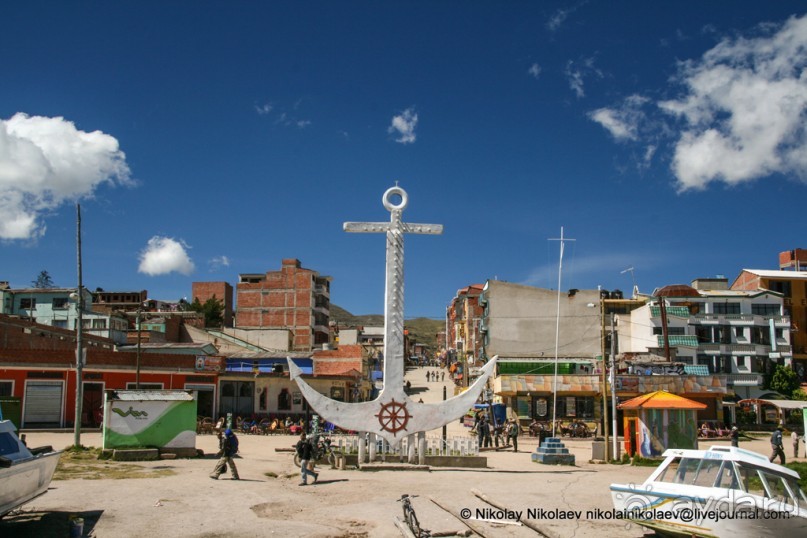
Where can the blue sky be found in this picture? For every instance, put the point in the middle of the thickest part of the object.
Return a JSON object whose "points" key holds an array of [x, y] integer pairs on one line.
{"points": [[208, 139]]}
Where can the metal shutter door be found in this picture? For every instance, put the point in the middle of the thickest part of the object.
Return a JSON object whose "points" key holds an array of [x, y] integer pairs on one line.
{"points": [[43, 402]]}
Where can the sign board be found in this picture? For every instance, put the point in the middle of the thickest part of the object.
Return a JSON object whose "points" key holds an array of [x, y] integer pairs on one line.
{"points": [[142, 418], [209, 363]]}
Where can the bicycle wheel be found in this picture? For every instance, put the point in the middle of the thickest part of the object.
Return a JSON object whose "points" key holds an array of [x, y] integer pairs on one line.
{"points": [[412, 521], [297, 460]]}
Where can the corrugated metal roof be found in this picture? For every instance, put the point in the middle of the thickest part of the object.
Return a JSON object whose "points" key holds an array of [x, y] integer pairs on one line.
{"points": [[151, 395], [696, 369], [256, 355]]}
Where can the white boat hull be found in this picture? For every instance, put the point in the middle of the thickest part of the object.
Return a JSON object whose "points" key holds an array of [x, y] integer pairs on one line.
{"points": [[26, 480], [706, 514]]}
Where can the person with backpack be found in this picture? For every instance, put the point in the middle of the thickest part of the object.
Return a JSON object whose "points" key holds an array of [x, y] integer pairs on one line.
{"points": [[228, 447], [306, 451]]}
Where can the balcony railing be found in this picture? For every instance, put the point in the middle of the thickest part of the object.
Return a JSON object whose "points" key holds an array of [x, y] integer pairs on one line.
{"points": [[744, 380]]}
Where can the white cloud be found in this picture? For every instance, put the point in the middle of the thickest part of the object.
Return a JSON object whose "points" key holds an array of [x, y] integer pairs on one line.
{"points": [[534, 70], [404, 125], [264, 109], [623, 123], [576, 72], [744, 109], [218, 262], [45, 162], [559, 17], [164, 255]]}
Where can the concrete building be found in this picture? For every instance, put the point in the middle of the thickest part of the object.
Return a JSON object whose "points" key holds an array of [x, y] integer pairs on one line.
{"points": [[222, 291], [293, 298], [736, 334], [107, 302], [791, 282], [519, 324], [57, 307]]}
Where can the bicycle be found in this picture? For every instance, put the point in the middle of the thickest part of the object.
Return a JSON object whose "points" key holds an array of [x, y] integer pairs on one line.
{"points": [[410, 518]]}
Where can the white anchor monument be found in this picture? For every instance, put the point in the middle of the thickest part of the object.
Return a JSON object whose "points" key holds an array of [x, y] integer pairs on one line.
{"points": [[393, 415]]}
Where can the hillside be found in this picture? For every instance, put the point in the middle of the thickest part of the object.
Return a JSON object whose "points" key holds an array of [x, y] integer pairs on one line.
{"points": [[422, 330]]}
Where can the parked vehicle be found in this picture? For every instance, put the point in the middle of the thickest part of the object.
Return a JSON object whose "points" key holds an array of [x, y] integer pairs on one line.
{"points": [[723, 491], [24, 474]]}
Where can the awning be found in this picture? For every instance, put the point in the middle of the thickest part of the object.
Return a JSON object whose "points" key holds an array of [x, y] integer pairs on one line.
{"points": [[661, 400], [781, 404]]}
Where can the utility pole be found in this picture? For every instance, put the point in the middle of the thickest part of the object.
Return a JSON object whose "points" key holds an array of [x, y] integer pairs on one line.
{"points": [[604, 381], [664, 332], [79, 327], [613, 385]]}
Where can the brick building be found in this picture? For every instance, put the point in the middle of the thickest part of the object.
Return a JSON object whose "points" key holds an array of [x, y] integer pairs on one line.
{"points": [[221, 291], [293, 298]]}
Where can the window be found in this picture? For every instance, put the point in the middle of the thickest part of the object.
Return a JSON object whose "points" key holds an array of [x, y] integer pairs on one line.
{"points": [[59, 303], [61, 323], [27, 303], [760, 335], [671, 331], [782, 287], [765, 309], [707, 473], [6, 388], [727, 477], [726, 308], [99, 324], [145, 386], [686, 471]]}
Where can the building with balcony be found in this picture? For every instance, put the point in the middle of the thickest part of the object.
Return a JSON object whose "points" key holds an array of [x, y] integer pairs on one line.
{"points": [[464, 314], [293, 298], [736, 333], [791, 283]]}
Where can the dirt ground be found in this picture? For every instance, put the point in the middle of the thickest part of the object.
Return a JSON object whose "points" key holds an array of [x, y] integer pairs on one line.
{"points": [[268, 501]]}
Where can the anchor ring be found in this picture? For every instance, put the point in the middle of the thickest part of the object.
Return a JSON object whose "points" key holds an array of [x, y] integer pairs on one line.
{"points": [[387, 199]]}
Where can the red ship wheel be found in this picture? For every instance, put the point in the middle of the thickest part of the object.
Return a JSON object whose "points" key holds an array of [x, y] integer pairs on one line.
{"points": [[393, 416]]}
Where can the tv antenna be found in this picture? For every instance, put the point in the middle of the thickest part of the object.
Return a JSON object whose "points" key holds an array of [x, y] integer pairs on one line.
{"points": [[633, 279]]}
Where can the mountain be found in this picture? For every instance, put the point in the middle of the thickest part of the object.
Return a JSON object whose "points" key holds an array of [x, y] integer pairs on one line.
{"points": [[421, 330]]}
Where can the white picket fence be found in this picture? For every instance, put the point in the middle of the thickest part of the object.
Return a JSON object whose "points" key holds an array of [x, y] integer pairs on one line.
{"points": [[453, 446]]}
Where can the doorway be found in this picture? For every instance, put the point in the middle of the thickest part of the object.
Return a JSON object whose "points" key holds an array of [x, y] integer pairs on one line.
{"points": [[92, 405]]}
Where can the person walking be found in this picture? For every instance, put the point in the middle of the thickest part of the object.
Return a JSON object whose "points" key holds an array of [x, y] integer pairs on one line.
{"points": [[484, 428], [305, 451], [735, 436], [794, 437], [228, 447], [776, 446], [513, 433]]}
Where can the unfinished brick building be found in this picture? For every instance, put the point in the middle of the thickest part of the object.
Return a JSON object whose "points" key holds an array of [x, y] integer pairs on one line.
{"points": [[222, 291], [293, 298]]}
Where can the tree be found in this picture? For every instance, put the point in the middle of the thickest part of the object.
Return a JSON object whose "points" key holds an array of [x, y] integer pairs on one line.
{"points": [[212, 309], [785, 381], [43, 281]]}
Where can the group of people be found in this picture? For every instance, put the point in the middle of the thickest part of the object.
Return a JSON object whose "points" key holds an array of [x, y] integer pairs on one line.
{"points": [[228, 448], [506, 432], [435, 375]]}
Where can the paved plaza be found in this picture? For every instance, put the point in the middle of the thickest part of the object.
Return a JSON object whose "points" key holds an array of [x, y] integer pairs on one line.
{"points": [[268, 501]]}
